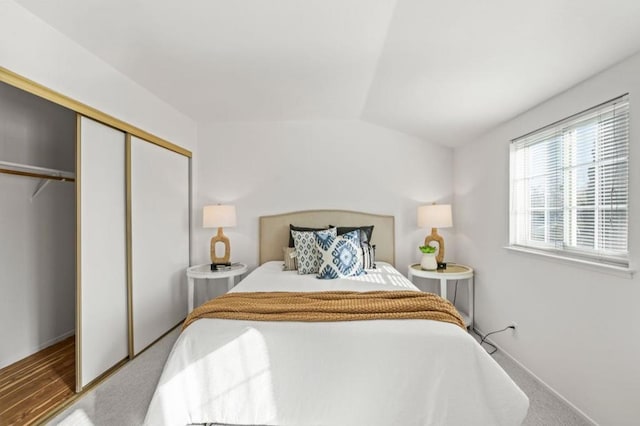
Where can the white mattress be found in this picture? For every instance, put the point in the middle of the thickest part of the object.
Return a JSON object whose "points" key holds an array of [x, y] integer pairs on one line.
{"points": [[271, 277], [381, 372]]}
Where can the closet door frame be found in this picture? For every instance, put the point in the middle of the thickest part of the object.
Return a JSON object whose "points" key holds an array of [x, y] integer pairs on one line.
{"points": [[129, 202]]}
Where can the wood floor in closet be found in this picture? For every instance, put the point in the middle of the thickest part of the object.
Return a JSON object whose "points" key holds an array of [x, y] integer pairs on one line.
{"points": [[32, 386]]}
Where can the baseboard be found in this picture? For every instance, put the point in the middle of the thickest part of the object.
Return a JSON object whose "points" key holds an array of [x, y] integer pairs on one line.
{"points": [[539, 380], [34, 349]]}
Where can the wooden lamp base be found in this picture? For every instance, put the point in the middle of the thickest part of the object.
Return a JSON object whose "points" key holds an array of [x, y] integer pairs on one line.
{"points": [[220, 238], [434, 236]]}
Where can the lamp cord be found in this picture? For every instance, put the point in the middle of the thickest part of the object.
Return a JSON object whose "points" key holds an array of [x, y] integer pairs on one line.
{"points": [[483, 339]]}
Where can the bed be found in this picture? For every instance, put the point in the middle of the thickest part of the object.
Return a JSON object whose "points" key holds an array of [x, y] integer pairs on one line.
{"points": [[376, 372]]}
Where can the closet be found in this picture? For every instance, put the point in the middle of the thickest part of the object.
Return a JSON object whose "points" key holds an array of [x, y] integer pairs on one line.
{"points": [[94, 236], [37, 250]]}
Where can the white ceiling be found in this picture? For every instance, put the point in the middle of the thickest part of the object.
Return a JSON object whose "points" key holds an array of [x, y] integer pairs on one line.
{"points": [[453, 69], [445, 71]]}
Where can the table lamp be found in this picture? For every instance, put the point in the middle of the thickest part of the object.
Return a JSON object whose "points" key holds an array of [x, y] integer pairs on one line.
{"points": [[219, 216], [435, 216]]}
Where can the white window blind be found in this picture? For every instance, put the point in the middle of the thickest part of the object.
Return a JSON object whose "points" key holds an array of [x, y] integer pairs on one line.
{"points": [[569, 186]]}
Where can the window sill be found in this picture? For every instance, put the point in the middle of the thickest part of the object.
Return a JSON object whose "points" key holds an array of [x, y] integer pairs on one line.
{"points": [[600, 267]]}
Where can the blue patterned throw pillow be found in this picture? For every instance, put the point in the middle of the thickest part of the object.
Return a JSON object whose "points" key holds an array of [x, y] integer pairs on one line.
{"points": [[341, 256], [307, 252]]}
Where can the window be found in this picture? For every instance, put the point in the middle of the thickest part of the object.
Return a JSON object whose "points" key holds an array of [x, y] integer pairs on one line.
{"points": [[569, 186]]}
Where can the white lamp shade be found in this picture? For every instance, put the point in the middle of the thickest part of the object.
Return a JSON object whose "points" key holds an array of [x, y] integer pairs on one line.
{"points": [[218, 216], [435, 216]]}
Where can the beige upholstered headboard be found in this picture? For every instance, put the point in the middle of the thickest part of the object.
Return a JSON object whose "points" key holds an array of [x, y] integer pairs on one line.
{"points": [[274, 230]]}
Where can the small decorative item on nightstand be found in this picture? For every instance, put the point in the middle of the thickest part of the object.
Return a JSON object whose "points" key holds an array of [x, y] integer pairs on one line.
{"points": [[428, 262]]}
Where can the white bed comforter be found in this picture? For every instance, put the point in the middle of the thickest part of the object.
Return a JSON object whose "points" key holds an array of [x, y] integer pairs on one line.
{"points": [[382, 372]]}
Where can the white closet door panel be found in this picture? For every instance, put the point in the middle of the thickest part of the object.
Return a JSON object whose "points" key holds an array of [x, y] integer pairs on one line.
{"points": [[103, 288], [160, 240]]}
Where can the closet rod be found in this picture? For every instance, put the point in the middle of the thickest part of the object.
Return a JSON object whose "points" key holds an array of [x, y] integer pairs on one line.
{"points": [[36, 172]]}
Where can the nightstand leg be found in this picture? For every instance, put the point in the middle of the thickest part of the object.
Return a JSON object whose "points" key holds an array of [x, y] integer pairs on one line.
{"points": [[471, 301], [190, 295], [230, 282], [443, 288]]}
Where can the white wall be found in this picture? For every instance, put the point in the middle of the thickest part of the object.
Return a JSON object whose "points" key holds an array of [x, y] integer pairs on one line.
{"points": [[37, 239], [270, 168], [578, 328]]}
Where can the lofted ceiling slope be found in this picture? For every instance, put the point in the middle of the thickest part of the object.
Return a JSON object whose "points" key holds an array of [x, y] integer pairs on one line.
{"points": [[445, 71]]}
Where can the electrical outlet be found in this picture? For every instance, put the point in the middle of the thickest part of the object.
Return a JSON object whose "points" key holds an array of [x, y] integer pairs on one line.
{"points": [[513, 325]]}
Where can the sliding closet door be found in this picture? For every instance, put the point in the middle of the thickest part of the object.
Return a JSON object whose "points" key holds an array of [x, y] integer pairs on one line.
{"points": [[160, 240], [102, 274]]}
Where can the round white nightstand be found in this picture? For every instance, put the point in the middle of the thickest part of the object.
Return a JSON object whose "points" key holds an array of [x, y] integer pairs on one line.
{"points": [[454, 271], [205, 272]]}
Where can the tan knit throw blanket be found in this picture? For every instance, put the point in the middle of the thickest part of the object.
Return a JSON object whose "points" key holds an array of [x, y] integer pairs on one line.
{"points": [[327, 306]]}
